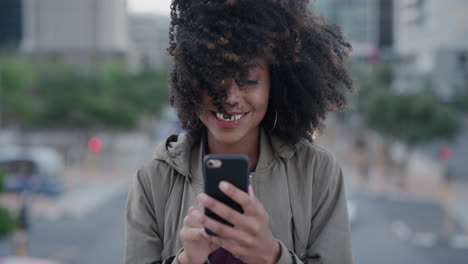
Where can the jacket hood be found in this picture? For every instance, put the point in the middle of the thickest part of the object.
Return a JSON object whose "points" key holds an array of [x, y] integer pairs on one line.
{"points": [[177, 151]]}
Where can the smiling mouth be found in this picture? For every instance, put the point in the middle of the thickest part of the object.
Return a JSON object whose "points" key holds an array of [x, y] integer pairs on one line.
{"points": [[234, 116]]}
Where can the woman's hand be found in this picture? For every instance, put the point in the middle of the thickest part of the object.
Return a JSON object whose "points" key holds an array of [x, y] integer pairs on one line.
{"points": [[251, 239], [197, 247]]}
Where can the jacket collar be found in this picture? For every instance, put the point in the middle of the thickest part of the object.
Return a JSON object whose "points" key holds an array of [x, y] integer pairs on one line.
{"points": [[184, 154]]}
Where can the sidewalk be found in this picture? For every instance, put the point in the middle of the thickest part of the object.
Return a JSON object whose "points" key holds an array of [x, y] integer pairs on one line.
{"points": [[86, 190], [423, 184], [453, 196]]}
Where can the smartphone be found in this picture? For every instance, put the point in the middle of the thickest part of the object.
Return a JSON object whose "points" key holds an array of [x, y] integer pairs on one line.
{"points": [[224, 167]]}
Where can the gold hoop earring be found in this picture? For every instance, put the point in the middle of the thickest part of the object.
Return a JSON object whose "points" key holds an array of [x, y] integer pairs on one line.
{"points": [[276, 119]]}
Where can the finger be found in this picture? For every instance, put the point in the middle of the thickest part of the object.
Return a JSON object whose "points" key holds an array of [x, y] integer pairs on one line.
{"points": [[191, 234], [190, 209], [251, 224], [222, 210], [239, 196], [222, 230], [192, 221], [198, 208]]}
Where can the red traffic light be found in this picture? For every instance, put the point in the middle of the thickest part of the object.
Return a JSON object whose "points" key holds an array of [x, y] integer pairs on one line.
{"points": [[94, 144], [445, 153]]}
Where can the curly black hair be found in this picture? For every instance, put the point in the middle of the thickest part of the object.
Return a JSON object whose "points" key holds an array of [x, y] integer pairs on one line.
{"points": [[215, 40]]}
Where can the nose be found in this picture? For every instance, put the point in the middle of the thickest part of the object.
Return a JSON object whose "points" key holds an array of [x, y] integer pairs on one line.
{"points": [[233, 94]]}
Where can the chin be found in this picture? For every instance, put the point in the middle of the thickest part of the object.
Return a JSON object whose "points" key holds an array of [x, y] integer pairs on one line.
{"points": [[228, 137]]}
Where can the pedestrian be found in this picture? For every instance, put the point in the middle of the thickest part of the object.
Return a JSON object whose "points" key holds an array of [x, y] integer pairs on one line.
{"points": [[252, 77]]}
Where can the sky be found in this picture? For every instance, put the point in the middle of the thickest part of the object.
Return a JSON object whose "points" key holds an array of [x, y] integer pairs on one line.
{"points": [[149, 6]]}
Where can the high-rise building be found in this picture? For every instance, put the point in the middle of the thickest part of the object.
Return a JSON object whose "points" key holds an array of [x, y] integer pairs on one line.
{"points": [[367, 24], [431, 40], [386, 33], [10, 22], [70, 27], [358, 21], [150, 37]]}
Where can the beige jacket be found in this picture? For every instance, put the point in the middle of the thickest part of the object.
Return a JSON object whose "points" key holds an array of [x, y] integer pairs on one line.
{"points": [[300, 186]]}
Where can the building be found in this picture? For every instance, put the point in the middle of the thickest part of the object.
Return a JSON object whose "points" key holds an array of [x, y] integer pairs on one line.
{"points": [[10, 22], [150, 37], [367, 24], [431, 41], [386, 28], [77, 29], [357, 19]]}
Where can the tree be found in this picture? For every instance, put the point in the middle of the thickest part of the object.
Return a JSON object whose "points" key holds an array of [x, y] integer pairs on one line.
{"points": [[7, 222], [47, 94], [460, 100], [17, 78], [414, 118]]}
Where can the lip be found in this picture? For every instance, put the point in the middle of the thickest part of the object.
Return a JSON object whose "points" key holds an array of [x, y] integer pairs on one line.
{"points": [[229, 124]]}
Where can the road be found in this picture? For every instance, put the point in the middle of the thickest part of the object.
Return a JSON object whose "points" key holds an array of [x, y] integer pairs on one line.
{"points": [[376, 240], [98, 237]]}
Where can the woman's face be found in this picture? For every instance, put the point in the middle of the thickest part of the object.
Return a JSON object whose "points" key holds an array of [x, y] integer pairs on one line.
{"points": [[247, 107]]}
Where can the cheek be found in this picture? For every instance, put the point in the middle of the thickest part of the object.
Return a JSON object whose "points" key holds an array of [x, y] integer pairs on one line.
{"points": [[203, 115], [260, 99], [265, 96]]}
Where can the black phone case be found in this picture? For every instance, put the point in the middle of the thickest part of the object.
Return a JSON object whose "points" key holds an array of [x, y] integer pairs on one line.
{"points": [[235, 170]]}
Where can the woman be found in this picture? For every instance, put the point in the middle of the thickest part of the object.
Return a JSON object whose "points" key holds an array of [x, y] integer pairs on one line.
{"points": [[252, 77]]}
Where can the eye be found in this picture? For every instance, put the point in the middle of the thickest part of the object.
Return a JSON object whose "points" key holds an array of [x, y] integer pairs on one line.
{"points": [[245, 83], [250, 82]]}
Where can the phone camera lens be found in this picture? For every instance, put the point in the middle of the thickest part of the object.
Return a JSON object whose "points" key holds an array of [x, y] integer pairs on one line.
{"points": [[210, 164], [213, 163]]}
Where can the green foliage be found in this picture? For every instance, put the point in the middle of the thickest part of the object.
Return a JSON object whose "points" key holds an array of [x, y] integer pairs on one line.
{"points": [[7, 222], [45, 94], [460, 100], [17, 77], [2, 179], [415, 118]]}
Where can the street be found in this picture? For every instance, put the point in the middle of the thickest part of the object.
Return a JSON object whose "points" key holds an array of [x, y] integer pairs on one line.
{"points": [[98, 237], [375, 239]]}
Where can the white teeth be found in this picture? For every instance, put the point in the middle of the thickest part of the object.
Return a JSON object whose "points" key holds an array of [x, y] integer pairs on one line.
{"points": [[233, 117]]}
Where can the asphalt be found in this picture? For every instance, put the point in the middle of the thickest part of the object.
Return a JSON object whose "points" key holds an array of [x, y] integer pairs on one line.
{"points": [[376, 240], [96, 238]]}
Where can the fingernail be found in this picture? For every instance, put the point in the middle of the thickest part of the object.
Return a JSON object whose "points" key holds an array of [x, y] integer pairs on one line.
{"points": [[202, 197], [197, 214], [224, 186]]}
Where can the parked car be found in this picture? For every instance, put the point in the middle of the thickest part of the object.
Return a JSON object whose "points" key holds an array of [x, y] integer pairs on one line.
{"points": [[37, 169]]}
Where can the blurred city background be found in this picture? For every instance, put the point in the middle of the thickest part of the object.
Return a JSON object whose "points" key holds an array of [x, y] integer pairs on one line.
{"points": [[83, 103]]}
